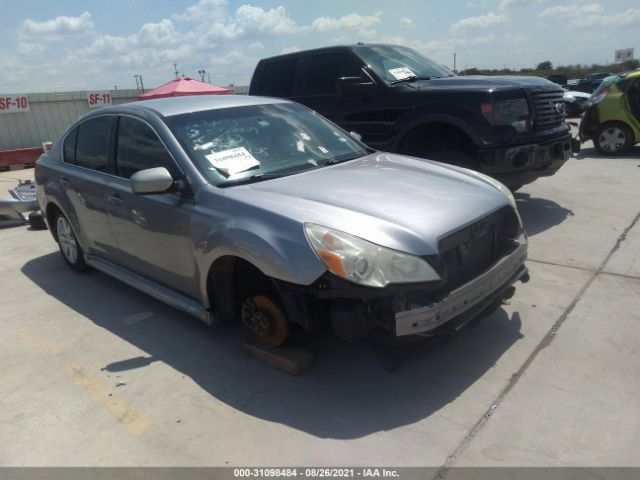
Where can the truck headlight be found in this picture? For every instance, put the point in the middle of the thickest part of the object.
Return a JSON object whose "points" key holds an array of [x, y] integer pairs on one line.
{"points": [[508, 112], [366, 263]]}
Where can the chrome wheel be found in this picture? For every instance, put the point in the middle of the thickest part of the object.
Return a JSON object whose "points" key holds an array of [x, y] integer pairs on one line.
{"points": [[612, 139], [67, 240]]}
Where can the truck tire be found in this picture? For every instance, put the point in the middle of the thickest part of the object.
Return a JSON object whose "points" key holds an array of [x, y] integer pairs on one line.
{"points": [[613, 138]]}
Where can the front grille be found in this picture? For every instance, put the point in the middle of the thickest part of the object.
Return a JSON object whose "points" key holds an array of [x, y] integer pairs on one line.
{"points": [[548, 108], [473, 250]]}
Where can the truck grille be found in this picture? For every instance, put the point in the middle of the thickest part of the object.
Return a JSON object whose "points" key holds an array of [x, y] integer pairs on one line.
{"points": [[548, 108]]}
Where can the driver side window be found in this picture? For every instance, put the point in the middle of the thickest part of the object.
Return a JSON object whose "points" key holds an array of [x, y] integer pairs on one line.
{"points": [[140, 148]]}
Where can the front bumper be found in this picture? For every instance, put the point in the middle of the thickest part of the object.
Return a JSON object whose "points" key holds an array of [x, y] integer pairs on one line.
{"points": [[468, 301], [522, 164]]}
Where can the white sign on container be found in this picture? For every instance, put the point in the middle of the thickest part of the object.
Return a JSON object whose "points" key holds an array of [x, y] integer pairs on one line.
{"points": [[99, 99], [623, 55], [14, 103]]}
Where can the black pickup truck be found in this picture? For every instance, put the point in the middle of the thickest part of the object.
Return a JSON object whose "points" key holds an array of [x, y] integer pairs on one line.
{"points": [[511, 128]]}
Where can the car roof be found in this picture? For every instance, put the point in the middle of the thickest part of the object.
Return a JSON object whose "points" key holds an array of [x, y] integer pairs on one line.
{"points": [[353, 47], [171, 106]]}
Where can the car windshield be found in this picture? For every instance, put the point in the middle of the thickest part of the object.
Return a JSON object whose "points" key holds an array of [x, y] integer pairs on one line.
{"points": [[238, 145], [396, 64]]}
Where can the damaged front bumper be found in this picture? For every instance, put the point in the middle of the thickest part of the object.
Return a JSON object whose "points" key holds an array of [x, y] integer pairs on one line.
{"points": [[522, 164], [23, 201], [468, 301]]}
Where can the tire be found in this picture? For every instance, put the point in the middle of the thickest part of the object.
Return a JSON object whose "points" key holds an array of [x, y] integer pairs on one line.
{"points": [[36, 220], [613, 139], [70, 249]]}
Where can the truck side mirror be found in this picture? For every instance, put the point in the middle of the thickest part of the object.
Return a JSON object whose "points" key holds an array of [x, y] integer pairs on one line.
{"points": [[354, 87]]}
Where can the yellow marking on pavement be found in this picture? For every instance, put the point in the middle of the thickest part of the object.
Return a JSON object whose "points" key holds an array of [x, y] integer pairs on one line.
{"points": [[36, 341], [100, 393]]}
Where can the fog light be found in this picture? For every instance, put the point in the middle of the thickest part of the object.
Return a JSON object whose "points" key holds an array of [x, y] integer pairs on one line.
{"points": [[520, 159]]}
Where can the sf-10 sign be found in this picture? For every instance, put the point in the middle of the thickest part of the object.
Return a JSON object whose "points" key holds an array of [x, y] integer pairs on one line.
{"points": [[99, 99], [14, 103]]}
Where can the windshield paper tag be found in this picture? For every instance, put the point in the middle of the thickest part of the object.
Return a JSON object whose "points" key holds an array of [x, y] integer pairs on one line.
{"points": [[233, 161], [401, 73]]}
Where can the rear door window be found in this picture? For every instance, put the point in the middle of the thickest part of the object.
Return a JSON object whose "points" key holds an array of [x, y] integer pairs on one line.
{"points": [[69, 150], [325, 69], [140, 148], [278, 78], [92, 144]]}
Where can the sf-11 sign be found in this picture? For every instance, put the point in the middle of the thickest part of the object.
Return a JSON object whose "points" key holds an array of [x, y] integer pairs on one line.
{"points": [[99, 99], [14, 103]]}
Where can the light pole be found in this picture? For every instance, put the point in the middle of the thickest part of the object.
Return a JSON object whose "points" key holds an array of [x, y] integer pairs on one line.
{"points": [[202, 74]]}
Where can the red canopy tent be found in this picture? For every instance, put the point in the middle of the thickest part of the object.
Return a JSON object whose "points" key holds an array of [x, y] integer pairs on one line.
{"points": [[184, 86]]}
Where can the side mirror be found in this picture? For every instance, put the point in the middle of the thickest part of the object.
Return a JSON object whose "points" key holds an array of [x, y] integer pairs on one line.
{"points": [[354, 87], [151, 180]]}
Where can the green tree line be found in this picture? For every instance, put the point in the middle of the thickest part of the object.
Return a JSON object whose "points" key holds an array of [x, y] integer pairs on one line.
{"points": [[546, 68]]}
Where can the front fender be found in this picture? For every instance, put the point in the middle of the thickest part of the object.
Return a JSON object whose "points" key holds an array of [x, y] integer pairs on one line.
{"points": [[279, 252], [419, 119]]}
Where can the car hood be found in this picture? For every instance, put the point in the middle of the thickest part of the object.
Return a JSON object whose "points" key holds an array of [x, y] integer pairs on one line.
{"points": [[404, 203], [484, 83]]}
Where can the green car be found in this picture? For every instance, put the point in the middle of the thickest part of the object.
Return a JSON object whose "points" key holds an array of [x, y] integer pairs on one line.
{"points": [[612, 118]]}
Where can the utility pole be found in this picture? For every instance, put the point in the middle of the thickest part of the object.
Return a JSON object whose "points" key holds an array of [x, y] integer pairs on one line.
{"points": [[139, 84], [175, 69], [454, 61]]}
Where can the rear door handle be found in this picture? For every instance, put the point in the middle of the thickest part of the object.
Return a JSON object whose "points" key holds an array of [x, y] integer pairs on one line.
{"points": [[64, 182], [115, 199]]}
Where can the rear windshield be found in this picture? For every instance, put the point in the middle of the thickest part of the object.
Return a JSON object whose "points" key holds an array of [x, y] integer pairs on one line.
{"points": [[231, 145]]}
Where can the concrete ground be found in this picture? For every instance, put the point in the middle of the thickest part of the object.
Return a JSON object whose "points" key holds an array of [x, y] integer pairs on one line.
{"points": [[95, 373]]}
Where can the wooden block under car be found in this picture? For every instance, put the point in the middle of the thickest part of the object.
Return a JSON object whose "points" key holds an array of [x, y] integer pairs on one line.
{"points": [[288, 358]]}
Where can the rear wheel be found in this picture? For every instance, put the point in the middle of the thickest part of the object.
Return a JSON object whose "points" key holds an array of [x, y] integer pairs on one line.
{"points": [[69, 247], [613, 139]]}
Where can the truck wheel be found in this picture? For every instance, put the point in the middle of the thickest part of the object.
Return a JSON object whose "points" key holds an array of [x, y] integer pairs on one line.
{"points": [[266, 320], [613, 139], [69, 247]]}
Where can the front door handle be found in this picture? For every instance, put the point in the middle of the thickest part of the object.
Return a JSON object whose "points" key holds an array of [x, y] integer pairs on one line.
{"points": [[64, 182], [115, 199]]}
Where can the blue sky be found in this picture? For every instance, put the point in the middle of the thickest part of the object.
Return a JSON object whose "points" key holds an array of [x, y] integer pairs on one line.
{"points": [[65, 45]]}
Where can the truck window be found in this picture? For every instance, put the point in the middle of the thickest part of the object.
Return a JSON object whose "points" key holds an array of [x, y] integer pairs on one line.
{"points": [[326, 68], [277, 78]]}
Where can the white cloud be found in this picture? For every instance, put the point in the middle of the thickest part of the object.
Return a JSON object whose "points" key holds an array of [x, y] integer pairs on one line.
{"points": [[276, 20], [291, 49], [508, 4], [256, 46], [481, 21], [571, 10], [630, 17], [406, 22], [204, 9], [516, 39], [353, 20], [57, 28], [155, 34]]}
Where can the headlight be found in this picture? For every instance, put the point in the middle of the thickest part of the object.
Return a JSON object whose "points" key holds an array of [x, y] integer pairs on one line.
{"points": [[597, 96], [366, 263], [508, 112]]}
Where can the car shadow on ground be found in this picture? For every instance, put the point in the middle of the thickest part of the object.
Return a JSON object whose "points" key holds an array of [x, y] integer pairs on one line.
{"points": [[540, 214], [349, 393], [591, 153]]}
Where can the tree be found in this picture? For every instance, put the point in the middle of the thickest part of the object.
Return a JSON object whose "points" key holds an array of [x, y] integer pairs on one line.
{"points": [[545, 66]]}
